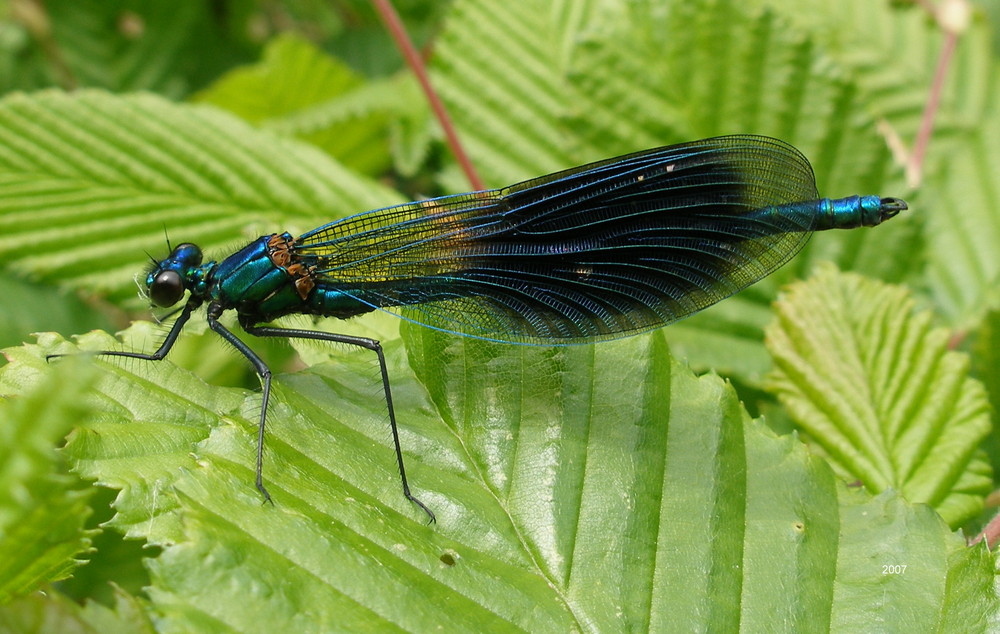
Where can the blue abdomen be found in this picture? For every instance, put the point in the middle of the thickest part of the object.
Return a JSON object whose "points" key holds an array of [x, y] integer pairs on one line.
{"points": [[332, 302]]}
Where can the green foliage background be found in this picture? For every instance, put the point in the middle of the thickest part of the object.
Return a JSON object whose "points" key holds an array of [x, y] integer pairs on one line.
{"points": [[602, 488]]}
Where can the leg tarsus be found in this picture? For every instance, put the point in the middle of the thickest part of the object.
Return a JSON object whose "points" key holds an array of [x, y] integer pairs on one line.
{"points": [[263, 491], [423, 507], [361, 342]]}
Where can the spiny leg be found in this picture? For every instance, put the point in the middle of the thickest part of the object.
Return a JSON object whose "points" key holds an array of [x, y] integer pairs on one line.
{"points": [[361, 342]]}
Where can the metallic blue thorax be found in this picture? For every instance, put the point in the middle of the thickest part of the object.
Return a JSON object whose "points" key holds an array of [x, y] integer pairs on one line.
{"points": [[262, 281]]}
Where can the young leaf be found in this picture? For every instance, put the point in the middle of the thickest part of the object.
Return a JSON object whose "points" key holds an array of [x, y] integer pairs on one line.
{"points": [[878, 390]]}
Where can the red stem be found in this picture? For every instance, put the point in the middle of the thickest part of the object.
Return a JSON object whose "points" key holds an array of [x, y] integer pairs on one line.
{"points": [[930, 110], [416, 64]]}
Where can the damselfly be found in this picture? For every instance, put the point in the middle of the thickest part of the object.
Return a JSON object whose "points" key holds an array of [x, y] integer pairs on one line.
{"points": [[597, 252]]}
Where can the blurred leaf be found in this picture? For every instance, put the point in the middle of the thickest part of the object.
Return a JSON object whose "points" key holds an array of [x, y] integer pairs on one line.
{"points": [[619, 75], [52, 612], [32, 308], [124, 45], [986, 368], [878, 390], [43, 509], [353, 31], [299, 91], [292, 75], [728, 337], [112, 566], [964, 218]]}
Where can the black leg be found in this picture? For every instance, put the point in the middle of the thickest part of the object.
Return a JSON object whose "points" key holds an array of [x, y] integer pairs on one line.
{"points": [[264, 372], [361, 342], [164, 348]]}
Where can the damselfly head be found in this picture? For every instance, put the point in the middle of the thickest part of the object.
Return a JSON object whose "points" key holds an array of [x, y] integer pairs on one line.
{"points": [[168, 280]]}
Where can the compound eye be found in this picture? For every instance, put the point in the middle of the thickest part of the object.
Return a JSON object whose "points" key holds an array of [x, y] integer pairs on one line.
{"points": [[167, 289]]}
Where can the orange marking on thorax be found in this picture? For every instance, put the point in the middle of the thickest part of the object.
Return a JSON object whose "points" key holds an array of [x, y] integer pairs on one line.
{"points": [[279, 249]]}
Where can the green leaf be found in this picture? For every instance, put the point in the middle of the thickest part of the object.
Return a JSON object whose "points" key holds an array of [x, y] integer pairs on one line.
{"points": [[53, 612], [956, 196], [157, 411], [113, 565], [591, 487], [297, 90], [32, 308], [899, 569], [986, 359], [120, 45], [964, 265], [91, 180], [619, 76], [717, 525], [292, 75], [878, 390], [44, 507]]}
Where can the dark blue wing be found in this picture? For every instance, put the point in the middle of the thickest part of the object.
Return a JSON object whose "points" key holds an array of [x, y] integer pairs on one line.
{"points": [[596, 252]]}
